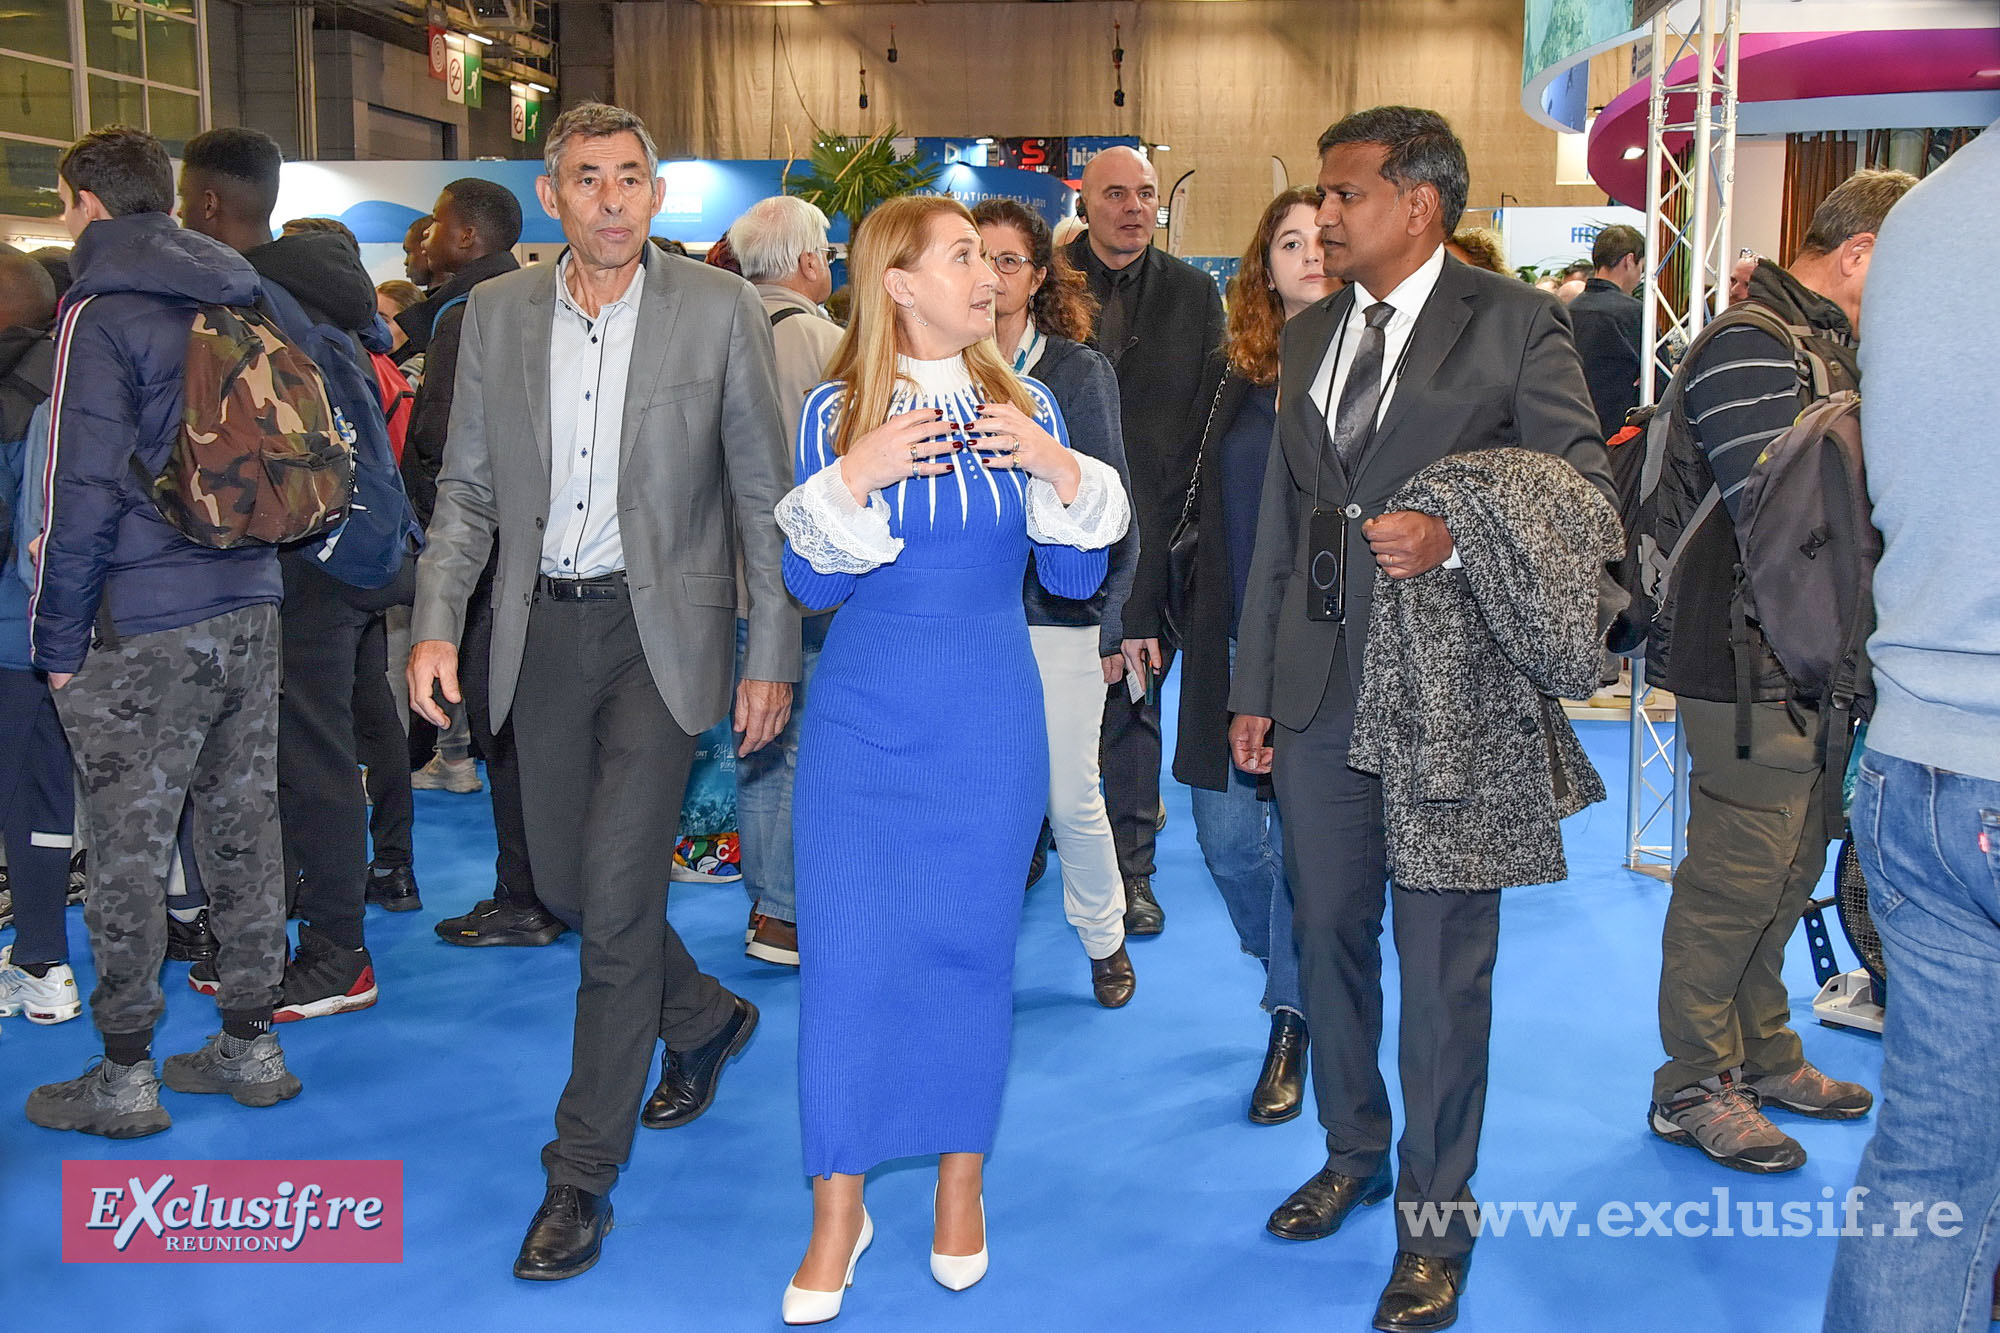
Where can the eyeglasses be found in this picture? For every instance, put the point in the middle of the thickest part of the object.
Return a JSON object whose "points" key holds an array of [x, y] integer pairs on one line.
{"points": [[829, 253], [1009, 264]]}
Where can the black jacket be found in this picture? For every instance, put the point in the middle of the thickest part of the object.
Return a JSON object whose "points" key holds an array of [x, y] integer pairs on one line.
{"points": [[323, 271], [432, 326], [1608, 334], [1086, 392], [1177, 321], [1201, 752]]}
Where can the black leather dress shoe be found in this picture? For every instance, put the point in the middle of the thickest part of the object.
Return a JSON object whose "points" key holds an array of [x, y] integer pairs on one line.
{"points": [[566, 1235], [1318, 1207], [493, 922], [1281, 1087], [1422, 1293], [394, 889], [1113, 980], [1143, 913], [688, 1079]]}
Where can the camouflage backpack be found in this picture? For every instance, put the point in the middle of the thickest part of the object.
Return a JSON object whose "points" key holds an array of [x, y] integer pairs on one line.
{"points": [[262, 455]]}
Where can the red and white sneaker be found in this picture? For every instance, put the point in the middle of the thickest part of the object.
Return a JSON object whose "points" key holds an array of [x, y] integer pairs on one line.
{"points": [[323, 978]]}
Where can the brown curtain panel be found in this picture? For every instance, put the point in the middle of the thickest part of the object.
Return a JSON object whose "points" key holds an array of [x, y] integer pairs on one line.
{"points": [[1814, 165]]}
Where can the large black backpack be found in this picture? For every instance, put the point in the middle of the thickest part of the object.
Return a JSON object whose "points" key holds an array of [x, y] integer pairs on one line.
{"points": [[1806, 543]]}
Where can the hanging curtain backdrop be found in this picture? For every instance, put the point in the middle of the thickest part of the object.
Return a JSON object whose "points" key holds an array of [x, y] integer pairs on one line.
{"points": [[1816, 164], [1226, 86]]}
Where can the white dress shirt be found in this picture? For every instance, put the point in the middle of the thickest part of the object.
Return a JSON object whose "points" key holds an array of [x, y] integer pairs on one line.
{"points": [[588, 362], [1408, 300]]}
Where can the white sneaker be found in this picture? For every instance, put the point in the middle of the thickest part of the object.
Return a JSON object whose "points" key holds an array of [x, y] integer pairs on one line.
{"points": [[49, 999]]}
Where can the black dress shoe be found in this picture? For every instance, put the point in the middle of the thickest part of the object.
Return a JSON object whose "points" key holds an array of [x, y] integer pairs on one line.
{"points": [[1281, 1087], [394, 889], [1038, 864], [190, 941], [1143, 913], [566, 1235], [1422, 1293], [688, 1079], [493, 922], [1318, 1207], [1113, 980]]}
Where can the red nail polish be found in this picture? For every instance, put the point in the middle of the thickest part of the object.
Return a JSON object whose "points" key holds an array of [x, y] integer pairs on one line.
{"points": [[951, 467]]}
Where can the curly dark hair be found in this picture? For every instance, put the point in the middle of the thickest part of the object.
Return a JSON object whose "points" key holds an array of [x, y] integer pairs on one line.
{"points": [[1256, 312], [1062, 306]]}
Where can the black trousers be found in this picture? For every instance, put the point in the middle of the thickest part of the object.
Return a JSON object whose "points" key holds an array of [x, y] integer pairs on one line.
{"points": [[514, 881], [603, 769], [1129, 756], [1445, 944], [382, 746], [321, 807]]}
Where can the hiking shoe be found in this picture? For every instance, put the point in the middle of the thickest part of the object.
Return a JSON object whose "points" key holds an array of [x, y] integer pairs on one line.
{"points": [[322, 978], [47, 999], [1806, 1091], [453, 775], [190, 941], [252, 1072], [1720, 1116], [116, 1101]]}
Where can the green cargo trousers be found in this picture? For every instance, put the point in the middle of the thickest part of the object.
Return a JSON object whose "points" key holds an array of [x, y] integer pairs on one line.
{"points": [[1756, 845]]}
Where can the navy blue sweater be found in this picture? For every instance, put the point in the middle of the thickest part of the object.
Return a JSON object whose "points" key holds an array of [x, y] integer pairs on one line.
{"points": [[118, 395]]}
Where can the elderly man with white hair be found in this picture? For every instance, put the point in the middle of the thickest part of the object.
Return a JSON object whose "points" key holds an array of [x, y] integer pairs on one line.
{"points": [[781, 245]]}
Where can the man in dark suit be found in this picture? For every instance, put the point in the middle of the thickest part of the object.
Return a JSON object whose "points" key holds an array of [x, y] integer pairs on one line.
{"points": [[1419, 357], [1608, 321], [1159, 320], [615, 432]]}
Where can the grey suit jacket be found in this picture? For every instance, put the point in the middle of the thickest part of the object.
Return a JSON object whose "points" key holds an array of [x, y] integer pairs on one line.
{"points": [[1491, 365], [702, 466]]}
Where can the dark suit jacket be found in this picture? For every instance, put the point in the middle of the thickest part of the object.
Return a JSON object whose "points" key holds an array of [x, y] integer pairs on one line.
{"points": [[1176, 323], [1491, 365]]}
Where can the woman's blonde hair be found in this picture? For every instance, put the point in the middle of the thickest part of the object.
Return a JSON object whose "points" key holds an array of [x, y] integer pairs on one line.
{"points": [[896, 235]]}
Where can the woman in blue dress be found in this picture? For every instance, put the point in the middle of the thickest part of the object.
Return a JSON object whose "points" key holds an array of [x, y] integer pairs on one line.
{"points": [[928, 476]]}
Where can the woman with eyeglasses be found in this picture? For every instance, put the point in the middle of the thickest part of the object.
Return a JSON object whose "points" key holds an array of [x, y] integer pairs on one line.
{"points": [[1042, 316], [1235, 820], [930, 476]]}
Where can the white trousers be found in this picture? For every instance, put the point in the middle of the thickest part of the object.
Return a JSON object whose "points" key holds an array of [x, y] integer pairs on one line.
{"points": [[1073, 702]]}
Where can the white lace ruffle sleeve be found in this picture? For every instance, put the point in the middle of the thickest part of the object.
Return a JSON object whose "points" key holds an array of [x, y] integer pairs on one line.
{"points": [[832, 533], [1096, 518]]}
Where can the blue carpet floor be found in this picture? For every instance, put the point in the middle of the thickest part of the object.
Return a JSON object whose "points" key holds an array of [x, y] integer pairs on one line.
{"points": [[1128, 1191]]}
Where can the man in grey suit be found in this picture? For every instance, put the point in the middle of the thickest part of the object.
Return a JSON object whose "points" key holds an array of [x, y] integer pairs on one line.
{"points": [[615, 429], [1418, 357]]}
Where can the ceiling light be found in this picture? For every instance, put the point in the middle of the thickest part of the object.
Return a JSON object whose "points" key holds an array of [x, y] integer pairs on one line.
{"points": [[1986, 74], [1163, 148], [537, 87], [1634, 153], [483, 41], [987, 139]]}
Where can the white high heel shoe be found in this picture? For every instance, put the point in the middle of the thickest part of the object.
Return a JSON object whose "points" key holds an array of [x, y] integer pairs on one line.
{"points": [[959, 1271], [804, 1306]]}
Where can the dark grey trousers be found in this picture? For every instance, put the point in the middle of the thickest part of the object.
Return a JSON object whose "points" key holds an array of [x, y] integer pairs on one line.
{"points": [[1445, 945], [182, 715], [1129, 756], [603, 769]]}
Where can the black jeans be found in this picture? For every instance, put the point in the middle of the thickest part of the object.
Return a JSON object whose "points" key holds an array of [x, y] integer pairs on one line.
{"points": [[321, 807], [1129, 754], [383, 748], [606, 766], [514, 879]]}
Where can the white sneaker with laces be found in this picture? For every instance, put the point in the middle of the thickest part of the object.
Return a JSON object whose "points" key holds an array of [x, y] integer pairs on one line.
{"points": [[49, 999]]}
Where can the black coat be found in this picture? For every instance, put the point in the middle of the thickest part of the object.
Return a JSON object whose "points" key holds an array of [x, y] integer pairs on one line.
{"points": [[1201, 751], [433, 329], [1608, 334], [1176, 322], [1086, 393]]}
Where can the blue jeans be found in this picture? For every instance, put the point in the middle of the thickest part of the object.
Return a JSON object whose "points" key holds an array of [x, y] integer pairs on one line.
{"points": [[1242, 840], [764, 790], [1930, 847]]}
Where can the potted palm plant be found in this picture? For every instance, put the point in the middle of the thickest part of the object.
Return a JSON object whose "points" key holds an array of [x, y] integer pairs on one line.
{"points": [[847, 177]]}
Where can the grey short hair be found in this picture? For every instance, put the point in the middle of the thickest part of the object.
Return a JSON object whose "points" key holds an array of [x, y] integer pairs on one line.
{"points": [[595, 120], [771, 235], [1857, 205], [1423, 150]]}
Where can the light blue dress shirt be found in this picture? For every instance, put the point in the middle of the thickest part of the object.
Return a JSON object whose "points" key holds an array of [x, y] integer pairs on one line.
{"points": [[588, 364]]}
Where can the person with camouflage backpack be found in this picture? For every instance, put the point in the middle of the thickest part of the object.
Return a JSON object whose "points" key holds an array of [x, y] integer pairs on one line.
{"points": [[1757, 829], [175, 699]]}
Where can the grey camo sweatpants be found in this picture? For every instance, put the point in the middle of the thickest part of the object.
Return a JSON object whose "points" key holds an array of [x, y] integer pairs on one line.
{"points": [[182, 715]]}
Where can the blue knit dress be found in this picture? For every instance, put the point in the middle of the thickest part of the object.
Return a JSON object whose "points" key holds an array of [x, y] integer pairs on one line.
{"points": [[923, 773]]}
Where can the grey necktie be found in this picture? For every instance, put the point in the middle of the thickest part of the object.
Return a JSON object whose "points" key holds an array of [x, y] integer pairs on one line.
{"points": [[1361, 395]]}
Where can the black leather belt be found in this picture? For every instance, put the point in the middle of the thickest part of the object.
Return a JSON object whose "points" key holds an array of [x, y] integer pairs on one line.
{"points": [[603, 588]]}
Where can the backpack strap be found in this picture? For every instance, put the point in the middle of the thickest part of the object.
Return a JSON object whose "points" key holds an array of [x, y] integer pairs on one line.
{"points": [[438, 318], [779, 315]]}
